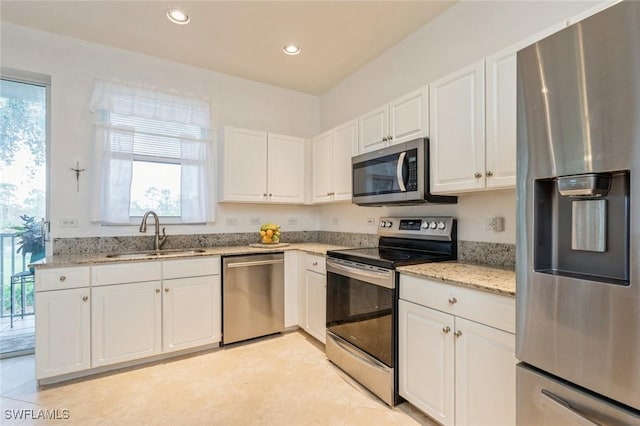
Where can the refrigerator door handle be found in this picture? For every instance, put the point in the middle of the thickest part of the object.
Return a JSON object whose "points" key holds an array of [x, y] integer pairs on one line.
{"points": [[563, 408]]}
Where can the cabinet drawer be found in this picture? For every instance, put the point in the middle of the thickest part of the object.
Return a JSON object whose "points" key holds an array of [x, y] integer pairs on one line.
{"points": [[62, 278], [197, 267], [315, 263], [120, 273], [486, 308]]}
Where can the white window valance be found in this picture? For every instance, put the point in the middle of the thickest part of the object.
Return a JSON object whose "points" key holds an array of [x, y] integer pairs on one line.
{"points": [[140, 124], [133, 100]]}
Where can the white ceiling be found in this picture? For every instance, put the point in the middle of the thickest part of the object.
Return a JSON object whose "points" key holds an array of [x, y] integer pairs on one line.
{"points": [[241, 38]]}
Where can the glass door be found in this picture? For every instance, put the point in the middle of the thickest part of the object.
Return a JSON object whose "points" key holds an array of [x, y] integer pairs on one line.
{"points": [[23, 201]]}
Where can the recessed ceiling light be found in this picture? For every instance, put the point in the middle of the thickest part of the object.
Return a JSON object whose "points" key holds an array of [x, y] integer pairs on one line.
{"points": [[178, 17], [291, 49]]}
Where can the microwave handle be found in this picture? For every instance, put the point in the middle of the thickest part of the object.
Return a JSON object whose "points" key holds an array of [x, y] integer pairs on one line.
{"points": [[399, 168]]}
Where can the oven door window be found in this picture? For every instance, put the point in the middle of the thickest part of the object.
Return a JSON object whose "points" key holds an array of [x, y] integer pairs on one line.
{"points": [[362, 314]]}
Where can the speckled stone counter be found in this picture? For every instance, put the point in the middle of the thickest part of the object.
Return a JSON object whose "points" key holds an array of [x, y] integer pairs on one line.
{"points": [[495, 280], [75, 259]]}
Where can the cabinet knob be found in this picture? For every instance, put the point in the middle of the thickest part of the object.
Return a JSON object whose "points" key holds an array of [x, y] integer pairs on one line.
{"points": [[264, 195], [62, 278], [157, 290], [385, 139], [489, 173], [315, 263], [390, 137], [458, 333], [446, 329], [270, 195], [453, 301], [85, 298], [166, 290], [477, 175]]}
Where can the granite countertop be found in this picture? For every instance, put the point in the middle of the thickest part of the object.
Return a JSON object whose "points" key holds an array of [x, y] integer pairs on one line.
{"points": [[487, 278], [76, 259]]}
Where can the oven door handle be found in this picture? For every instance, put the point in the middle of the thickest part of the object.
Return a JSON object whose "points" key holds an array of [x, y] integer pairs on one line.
{"points": [[399, 174], [382, 279], [354, 353]]}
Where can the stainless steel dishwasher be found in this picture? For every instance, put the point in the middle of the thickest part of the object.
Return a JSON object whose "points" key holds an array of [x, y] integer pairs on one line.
{"points": [[252, 296]]}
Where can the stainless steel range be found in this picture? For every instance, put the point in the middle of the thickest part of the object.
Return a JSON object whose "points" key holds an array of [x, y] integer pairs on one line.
{"points": [[362, 297]]}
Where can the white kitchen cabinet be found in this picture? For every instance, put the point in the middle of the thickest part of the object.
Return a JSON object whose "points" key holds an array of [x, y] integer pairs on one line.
{"points": [[457, 131], [426, 360], [191, 312], [126, 322], [331, 157], [457, 352], [292, 274], [401, 120], [473, 123], [260, 167], [313, 296], [63, 331]]}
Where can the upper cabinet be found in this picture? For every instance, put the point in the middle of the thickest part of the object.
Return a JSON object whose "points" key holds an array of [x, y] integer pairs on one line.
{"points": [[260, 167], [473, 123], [401, 120], [331, 153], [457, 131]]}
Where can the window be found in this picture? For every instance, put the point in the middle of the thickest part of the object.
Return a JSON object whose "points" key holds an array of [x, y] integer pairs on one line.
{"points": [[151, 153]]}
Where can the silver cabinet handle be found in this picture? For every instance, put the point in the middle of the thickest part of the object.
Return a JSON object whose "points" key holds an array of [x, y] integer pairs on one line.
{"points": [[157, 290], [489, 173], [565, 409], [458, 333], [399, 171], [453, 301], [256, 263], [446, 329], [85, 298], [477, 175], [62, 278]]}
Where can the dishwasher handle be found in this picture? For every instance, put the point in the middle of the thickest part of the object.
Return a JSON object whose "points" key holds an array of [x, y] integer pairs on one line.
{"points": [[254, 263]]}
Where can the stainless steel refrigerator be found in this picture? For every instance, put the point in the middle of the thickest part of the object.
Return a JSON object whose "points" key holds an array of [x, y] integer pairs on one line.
{"points": [[578, 238]]}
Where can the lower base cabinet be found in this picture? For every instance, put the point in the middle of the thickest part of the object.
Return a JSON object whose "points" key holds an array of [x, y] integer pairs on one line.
{"points": [[126, 322], [63, 338], [312, 296], [457, 371]]}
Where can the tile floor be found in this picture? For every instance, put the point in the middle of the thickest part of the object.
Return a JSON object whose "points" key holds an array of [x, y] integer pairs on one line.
{"points": [[281, 380]]}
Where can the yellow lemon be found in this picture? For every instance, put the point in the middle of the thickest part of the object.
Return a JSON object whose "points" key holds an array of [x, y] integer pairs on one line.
{"points": [[269, 233]]}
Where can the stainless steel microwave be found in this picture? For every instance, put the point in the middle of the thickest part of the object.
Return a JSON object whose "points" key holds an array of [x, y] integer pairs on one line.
{"points": [[397, 175]]}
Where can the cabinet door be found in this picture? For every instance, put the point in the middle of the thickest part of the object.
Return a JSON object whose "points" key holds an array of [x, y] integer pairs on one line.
{"points": [[63, 324], [485, 375], [345, 141], [457, 131], [192, 312], [245, 165], [373, 130], [426, 360], [285, 169], [501, 78], [322, 152], [125, 322], [316, 309], [409, 116]]}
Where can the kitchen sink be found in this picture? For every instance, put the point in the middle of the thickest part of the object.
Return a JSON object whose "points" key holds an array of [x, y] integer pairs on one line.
{"points": [[147, 254]]}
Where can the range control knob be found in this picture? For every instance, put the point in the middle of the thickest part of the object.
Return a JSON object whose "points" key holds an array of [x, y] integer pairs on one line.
{"points": [[432, 225], [382, 224], [389, 224], [425, 225], [441, 225]]}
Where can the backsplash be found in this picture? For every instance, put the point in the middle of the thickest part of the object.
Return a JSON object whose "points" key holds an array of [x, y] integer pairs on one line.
{"points": [[493, 254]]}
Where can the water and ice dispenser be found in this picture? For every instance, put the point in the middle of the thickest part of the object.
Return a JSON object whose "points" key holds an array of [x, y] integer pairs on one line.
{"points": [[581, 226]]}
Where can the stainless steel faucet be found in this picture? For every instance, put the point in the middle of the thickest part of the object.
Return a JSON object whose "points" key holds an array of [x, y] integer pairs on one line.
{"points": [[158, 241]]}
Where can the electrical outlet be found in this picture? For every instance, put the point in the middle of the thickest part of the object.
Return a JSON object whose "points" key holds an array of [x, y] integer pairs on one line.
{"points": [[495, 224], [68, 222], [371, 221], [254, 221], [334, 220], [292, 221], [232, 221]]}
